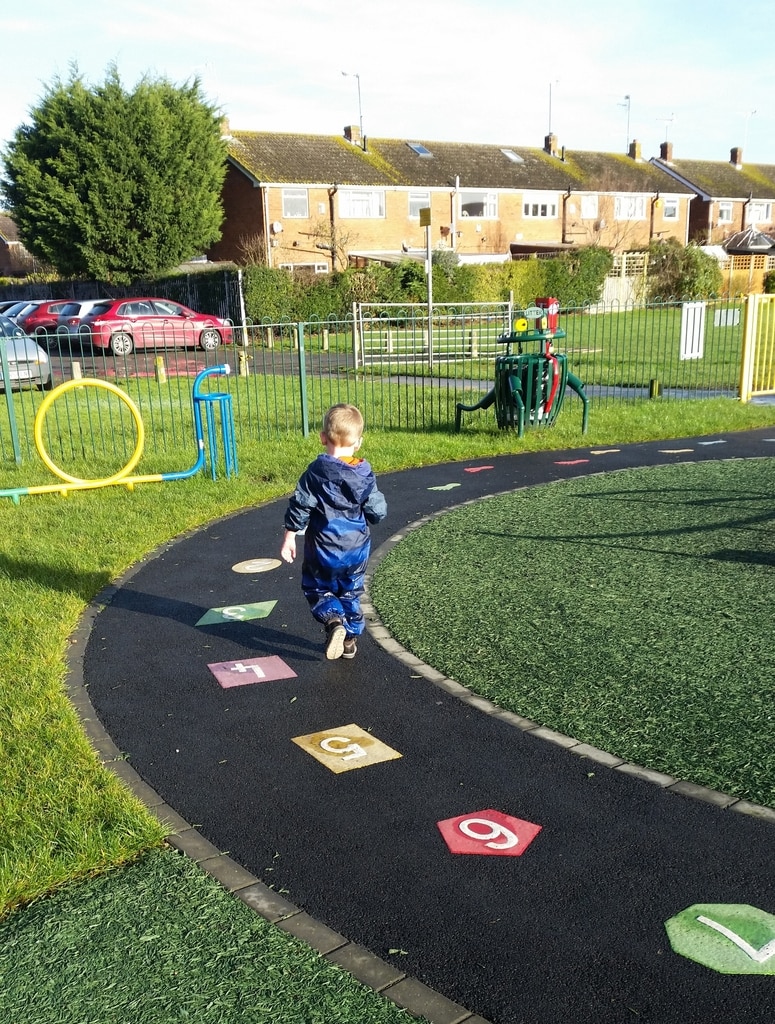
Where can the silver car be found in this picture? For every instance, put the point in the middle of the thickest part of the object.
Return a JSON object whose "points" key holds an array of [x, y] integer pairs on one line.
{"points": [[27, 362]]}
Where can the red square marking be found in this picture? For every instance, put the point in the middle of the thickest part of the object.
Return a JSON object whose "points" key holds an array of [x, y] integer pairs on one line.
{"points": [[489, 833]]}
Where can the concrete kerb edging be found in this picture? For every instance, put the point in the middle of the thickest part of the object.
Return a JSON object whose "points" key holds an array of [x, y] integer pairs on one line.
{"points": [[383, 637], [366, 967]]}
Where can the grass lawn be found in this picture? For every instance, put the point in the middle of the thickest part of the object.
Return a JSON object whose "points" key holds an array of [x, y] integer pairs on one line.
{"points": [[67, 827]]}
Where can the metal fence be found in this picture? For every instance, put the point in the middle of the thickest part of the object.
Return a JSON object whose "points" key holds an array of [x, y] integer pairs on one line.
{"points": [[284, 376]]}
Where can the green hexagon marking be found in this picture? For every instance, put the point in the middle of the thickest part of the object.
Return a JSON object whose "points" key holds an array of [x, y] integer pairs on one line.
{"points": [[731, 938]]}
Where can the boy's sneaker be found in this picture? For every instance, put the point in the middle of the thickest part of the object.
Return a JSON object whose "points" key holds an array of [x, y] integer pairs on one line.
{"points": [[335, 636], [350, 648]]}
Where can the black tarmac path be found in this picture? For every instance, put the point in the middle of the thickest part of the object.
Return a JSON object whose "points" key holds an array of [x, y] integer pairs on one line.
{"points": [[572, 930]]}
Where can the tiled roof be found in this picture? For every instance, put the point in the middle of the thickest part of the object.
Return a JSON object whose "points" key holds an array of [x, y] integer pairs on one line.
{"points": [[323, 159], [304, 159], [724, 181]]}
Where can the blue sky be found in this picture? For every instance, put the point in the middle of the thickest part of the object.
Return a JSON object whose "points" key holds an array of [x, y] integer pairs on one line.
{"points": [[496, 71]]}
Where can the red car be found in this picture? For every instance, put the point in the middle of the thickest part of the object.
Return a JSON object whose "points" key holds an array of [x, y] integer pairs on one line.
{"points": [[42, 317], [124, 324]]}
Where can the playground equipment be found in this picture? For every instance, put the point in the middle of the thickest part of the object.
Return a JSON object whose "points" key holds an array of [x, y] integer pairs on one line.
{"points": [[209, 400], [530, 386]]}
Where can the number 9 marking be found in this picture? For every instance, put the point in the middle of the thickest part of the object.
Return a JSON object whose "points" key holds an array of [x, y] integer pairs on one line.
{"points": [[494, 831]]}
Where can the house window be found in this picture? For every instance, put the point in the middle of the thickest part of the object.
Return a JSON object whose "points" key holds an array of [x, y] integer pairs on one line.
{"points": [[630, 207], [417, 202], [479, 204], [725, 213], [295, 202], [670, 209], [589, 207], [759, 213], [540, 204], [315, 268], [361, 203]]}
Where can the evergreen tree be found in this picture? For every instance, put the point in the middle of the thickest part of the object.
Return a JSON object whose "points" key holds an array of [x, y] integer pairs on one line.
{"points": [[114, 184]]}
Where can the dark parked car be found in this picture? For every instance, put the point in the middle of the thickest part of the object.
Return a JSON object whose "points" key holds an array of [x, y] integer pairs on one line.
{"points": [[23, 306], [125, 324], [27, 362]]}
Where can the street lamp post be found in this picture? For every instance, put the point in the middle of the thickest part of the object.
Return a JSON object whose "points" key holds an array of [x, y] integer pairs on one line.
{"points": [[627, 105], [556, 82], [357, 77]]}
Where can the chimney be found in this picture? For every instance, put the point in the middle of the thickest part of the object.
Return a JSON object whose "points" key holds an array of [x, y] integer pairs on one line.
{"points": [[736, 157], [550, 145], [666, 152], [353, 134], [634, 152]]}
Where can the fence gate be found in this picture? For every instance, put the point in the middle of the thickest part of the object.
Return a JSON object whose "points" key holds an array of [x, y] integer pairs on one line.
{"points": [[396, 333], [757, 373]]}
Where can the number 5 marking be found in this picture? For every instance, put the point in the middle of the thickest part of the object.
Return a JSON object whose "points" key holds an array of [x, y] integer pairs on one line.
{"points": [[495, 830], [236, 612], [349, 752]]}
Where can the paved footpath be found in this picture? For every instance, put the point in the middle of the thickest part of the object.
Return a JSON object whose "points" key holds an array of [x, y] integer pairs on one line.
{"points": [[315, 790]]}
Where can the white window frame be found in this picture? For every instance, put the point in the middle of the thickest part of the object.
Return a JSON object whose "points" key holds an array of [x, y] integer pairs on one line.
{"points": [[361, 203], [670, 209], [295, 199], [540, 206], [589, 207], [418, 201], [318, 268], [629, 207], [725, 212], [759, 212], [474, 197]]}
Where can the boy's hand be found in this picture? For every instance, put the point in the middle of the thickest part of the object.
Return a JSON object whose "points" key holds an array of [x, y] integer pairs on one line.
{"points": [[288, 550]]}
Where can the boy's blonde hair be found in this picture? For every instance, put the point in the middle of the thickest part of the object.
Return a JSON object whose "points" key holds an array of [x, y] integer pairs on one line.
{"points": [[343, 425]]}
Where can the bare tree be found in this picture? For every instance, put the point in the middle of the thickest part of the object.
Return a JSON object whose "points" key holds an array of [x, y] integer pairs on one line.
{"points": [[252, 249], [330, 237]]}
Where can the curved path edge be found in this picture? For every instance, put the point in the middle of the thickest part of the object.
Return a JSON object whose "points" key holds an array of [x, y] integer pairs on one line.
{"points": [[366, 967]]}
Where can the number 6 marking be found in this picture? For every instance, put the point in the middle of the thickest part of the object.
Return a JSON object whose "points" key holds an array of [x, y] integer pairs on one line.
{"points": [[348, 753], [495, 830]]}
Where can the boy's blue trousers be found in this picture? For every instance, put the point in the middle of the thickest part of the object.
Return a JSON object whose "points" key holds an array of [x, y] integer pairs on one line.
{"points": [[337, 597]]}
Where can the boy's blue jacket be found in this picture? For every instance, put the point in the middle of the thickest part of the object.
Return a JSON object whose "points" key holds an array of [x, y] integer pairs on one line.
{"points": [[335, 500]]}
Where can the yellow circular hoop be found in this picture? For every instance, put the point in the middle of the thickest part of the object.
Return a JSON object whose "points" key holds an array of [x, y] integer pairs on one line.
{"points": [[70, 385]]}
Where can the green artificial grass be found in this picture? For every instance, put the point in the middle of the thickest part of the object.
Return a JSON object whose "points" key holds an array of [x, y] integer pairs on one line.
{"points": [[159, 942], [632, 611]]}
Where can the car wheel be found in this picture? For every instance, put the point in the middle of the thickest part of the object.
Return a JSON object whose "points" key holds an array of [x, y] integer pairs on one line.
{"points": [[46, 385], [209, 339], [121, 343], [42, 337]]}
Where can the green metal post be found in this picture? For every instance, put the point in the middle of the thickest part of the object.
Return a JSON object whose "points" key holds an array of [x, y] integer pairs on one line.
{"points": [[303, 382], [17, 454]]}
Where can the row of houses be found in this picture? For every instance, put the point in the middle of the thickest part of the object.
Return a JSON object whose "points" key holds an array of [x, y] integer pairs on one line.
{"points": [[323, 202], [320, 202]]}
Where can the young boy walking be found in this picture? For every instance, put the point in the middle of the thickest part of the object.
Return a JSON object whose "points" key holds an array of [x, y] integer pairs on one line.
{"points": [[334, 501]]}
